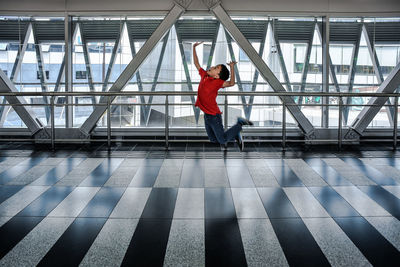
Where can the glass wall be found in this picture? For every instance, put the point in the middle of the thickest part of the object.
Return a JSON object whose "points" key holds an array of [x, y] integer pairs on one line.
{"points": [[31, 55], [361, 59], [363, 52]]}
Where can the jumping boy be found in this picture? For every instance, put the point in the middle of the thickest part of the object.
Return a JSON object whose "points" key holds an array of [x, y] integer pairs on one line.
{"points": [[211, 81]]}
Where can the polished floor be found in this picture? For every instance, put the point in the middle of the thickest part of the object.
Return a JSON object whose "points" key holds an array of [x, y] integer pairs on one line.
{"points": [[199, 205]]}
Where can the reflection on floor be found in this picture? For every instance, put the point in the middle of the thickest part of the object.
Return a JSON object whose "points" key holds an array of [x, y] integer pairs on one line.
{"points": [[196, 205]]}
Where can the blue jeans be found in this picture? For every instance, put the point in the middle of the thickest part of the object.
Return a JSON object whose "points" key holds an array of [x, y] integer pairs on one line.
{"points": [[215, 129]]}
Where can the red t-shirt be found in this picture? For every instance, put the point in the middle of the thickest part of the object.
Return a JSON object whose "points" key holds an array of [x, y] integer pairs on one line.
{"points": [[207, 93]]}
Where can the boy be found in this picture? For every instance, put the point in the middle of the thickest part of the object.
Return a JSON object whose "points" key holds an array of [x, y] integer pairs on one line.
{"points": [[211, 81]]}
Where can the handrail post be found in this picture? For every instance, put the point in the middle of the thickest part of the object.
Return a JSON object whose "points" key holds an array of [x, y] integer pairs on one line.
{"points": [[166, 121], [52, 123], [283, 126], [226, 113], [396, 106], [340, 123], [108, 122]]}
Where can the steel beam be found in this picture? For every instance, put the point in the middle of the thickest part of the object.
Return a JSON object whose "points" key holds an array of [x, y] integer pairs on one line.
{"points": [[196, 110], [143, 114], [305, 67], [332, 73], [237, 74], [153, 86], [16, 68], [377, 70], [354, 58], [24, 112], [367, 114], [304, 124], [256, 73], [87, 62], [212, 49], [281, 59], [126, 75], [42, 72], [112, 59]]}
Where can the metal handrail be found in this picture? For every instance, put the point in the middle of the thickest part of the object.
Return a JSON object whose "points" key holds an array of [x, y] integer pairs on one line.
{"points": [[183, 93], [109, 95]]}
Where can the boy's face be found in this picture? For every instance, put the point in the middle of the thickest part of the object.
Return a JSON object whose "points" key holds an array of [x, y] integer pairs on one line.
{"points": [[214, 71]]}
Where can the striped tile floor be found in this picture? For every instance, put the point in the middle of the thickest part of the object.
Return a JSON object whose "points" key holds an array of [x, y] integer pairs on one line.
{"points": [[198, 205]]}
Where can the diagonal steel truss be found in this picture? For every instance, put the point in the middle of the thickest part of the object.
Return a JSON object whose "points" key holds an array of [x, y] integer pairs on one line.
{"points": [[187, 74], [247, 107], [176, 11], [16, 68], [304, 124], [367, 114]]}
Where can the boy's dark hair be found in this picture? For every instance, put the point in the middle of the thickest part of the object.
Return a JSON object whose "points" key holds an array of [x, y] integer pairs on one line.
{"points": [[224, 73]]}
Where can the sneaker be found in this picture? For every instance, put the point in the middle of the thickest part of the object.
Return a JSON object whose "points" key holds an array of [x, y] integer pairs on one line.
{"points": [[244, 121], [239, 141]]}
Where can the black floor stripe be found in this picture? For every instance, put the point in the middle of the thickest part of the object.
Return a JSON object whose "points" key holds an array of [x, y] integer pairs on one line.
{"points": [[58, 172], [103, 203], [24, 166], [384, 198], [3, 159], [100, 175], [285, 176], [218, 203], [7, 191], [370, 172], [148, 244], [297, 243], [72, 246], [223, 243], [276, 203], [145, 176], [329, 174], [46, 202], [369, 241], [14, 231], [192, 175], [239, 176], [160, 204], [334, 203]]}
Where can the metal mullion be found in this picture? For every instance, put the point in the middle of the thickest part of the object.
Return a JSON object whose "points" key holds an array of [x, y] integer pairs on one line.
{"points": [[281, 59], [306, 66], [42, 73], [187, 74], [70, 35], [377, 70], [238, 80], [352, 73], [153, 87], [325, 44], [87, 62]]}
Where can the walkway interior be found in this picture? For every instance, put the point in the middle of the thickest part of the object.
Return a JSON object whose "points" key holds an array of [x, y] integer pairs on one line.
{"points": [[197, 205]]}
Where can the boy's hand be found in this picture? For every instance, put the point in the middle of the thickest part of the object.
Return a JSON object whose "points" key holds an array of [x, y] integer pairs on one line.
{"points": [[196, 44], [232, 63]]}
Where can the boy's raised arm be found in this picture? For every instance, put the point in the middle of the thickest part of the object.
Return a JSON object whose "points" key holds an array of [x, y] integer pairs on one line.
{"points": [[231, 81], [195, 59]]}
